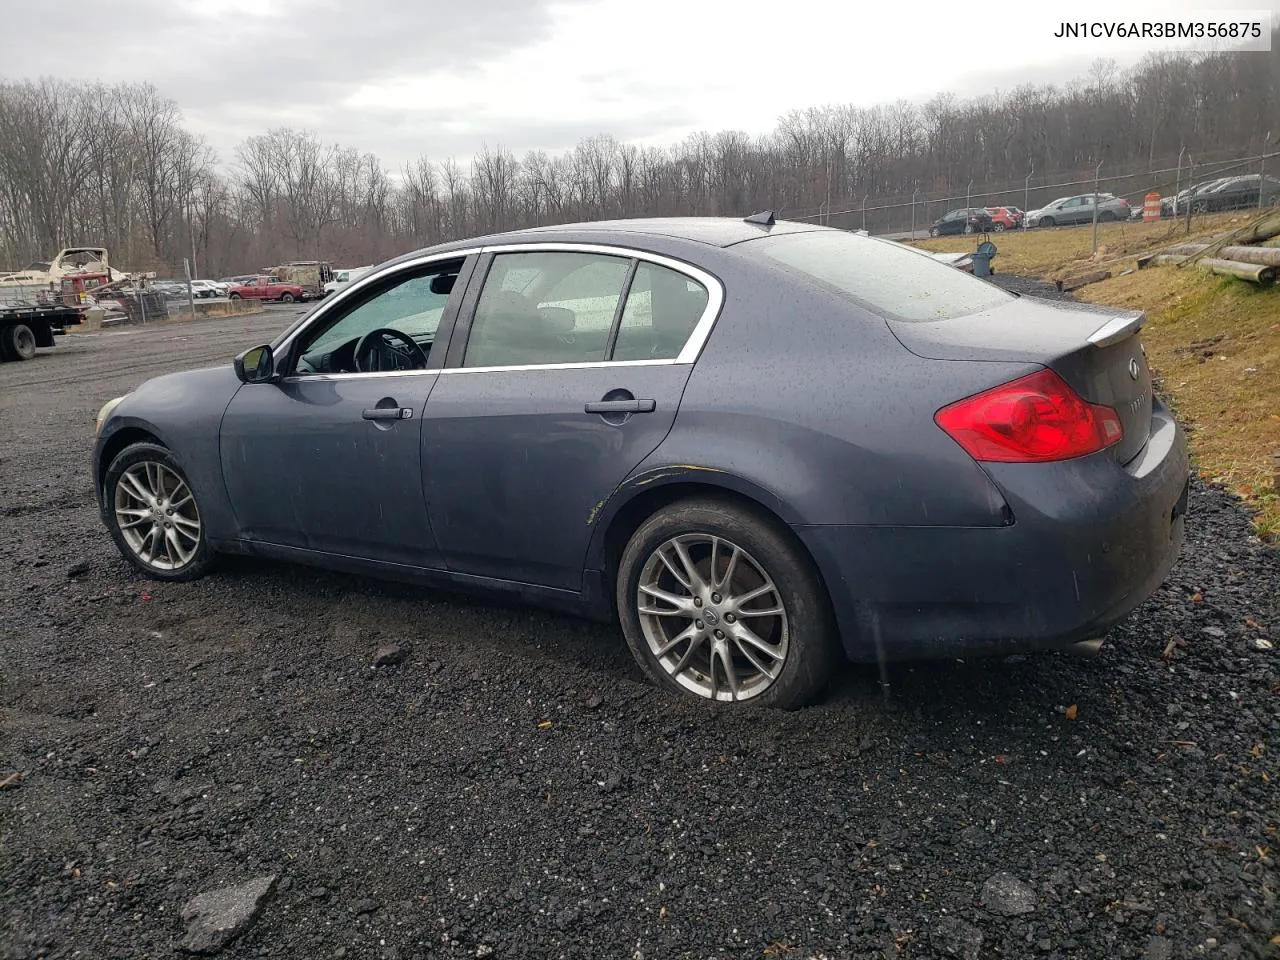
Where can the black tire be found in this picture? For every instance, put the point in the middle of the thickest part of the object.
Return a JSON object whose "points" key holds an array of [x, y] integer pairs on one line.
{"points": [[233, 296], [812, 644], [286, 298], [968, 228], [131, 456], [19, 342], [933, 231], [1200, 206], [999, 227], [1047, 222], [1106, 216]]}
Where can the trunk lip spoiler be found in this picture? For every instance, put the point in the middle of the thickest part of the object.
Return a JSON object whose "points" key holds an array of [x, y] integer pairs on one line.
{"points": [[1118, 329]]}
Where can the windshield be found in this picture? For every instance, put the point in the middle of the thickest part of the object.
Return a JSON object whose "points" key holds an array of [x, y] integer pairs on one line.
{"points": [[891, 279]]}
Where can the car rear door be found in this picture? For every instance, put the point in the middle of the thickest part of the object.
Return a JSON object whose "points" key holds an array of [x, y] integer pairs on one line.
{"points": [[566, 371]]}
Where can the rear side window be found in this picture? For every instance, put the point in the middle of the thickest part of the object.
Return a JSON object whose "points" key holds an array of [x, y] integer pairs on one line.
{"points": [[556, 307], [662, 309], [890, 279]]}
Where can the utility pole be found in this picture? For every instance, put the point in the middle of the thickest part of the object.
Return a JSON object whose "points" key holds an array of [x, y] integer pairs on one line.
{"points": [[968, 192], [1096, 170], [1026, 194], [1177, 187], [913, 210], [1191, 178], [827, 221], [864, 210], [1262, 166]]}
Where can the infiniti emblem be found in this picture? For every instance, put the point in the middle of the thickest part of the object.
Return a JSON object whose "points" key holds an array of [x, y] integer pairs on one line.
{"points": [[1133, 367]]}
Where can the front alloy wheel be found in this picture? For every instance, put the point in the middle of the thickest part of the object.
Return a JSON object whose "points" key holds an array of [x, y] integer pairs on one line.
{"points": [[153, 514], [721, 604]]}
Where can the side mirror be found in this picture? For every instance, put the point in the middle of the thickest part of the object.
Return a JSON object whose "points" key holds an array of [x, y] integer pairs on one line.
{"points": [[255, 365]]}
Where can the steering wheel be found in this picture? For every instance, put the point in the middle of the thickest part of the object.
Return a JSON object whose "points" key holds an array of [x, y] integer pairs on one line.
{"points": [[381, 344]]}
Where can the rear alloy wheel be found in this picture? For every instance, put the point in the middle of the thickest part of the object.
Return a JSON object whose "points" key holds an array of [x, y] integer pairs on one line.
{"points": [[933, 231], [153, 515], [19, 342], [717, 603], [999, 227]]}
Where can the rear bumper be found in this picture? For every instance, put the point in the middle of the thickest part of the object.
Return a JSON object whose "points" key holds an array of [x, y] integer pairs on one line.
{"points": [[1090, 540]]}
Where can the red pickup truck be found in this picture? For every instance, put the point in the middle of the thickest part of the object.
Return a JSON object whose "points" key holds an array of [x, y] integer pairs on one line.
{"points": [[267, 288]]}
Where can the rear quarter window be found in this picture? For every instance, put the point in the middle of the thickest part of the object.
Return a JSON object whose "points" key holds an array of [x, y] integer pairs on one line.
{"points": [[890, 279]]}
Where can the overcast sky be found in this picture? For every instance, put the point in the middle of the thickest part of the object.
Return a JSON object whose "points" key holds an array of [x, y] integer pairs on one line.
{"points": [[408, 77]]}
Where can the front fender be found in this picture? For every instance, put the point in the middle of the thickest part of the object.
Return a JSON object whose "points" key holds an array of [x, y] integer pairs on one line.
{"points": [[183, 412]]}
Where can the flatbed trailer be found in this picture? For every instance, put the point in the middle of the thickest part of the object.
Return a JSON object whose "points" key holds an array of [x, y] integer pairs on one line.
{"points": [[25, 327]]}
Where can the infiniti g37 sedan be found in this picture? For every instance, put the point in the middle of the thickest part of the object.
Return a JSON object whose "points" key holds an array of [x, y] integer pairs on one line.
{"points": [[760, 446]]}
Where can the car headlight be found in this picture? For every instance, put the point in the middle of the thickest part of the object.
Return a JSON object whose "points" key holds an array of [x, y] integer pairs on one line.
{"points": [[104, 413]]}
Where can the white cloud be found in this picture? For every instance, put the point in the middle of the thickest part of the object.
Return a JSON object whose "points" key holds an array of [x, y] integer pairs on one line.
{"points": [[399, 77]]}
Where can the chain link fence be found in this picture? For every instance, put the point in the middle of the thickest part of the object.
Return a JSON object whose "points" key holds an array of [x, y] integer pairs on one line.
{"points": [[912, 215]]}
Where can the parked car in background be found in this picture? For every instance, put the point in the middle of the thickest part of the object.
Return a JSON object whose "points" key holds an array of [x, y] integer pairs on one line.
{"points": [[267, 288], [1177, 204], [1237, 193], [1079, 209], [613, 419], [343, 276], [964, 220], [210, 288], [170, 289], [1005, 218]]}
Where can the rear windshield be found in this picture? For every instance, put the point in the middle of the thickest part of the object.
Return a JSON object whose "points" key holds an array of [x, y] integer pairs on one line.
{"points": [[887, 278]]}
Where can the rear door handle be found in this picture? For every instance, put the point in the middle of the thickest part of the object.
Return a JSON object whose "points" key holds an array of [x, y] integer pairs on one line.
{"points": [[621, 406], [388, 413]]}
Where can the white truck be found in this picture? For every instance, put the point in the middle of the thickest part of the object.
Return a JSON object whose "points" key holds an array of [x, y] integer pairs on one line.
{"points": [[344, 276]]}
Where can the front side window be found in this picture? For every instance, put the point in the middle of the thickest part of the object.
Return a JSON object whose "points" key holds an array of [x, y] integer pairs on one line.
{"points": [[390, 327], [887, 278]]}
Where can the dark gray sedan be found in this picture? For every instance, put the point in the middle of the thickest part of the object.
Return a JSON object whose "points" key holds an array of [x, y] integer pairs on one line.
{"points": [[758, 445]]}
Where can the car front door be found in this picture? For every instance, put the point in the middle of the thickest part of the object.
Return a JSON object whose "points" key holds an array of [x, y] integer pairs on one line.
{"points": [[566, 372], [328, 458]]}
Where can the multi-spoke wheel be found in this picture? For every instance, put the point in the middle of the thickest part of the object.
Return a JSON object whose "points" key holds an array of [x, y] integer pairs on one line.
{"points": [[719, 603], [153, 515]]}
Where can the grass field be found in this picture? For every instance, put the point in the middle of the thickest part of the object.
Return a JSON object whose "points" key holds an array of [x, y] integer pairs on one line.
{"points": [[1214, 342]]}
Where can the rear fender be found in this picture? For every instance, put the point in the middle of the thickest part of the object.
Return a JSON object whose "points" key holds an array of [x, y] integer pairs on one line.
{"points": [[652, 478]]}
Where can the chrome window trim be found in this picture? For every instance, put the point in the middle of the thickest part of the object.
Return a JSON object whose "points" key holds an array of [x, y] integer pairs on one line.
{"points": [[308, 377], [327, 305], [688, 354]]}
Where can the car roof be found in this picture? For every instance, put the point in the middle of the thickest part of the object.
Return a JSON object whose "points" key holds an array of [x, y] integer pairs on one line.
{"points": [[713, 231]]}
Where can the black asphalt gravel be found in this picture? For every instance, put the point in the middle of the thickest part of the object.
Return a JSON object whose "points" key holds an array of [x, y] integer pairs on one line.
{"points": [[507, 786]]}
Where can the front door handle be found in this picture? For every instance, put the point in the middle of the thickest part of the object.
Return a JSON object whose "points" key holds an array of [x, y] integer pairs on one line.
{"points": [[621, 406], [388, 413]]}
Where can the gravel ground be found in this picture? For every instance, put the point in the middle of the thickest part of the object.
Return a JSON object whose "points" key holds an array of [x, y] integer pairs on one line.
{"points": [[513, 789]]}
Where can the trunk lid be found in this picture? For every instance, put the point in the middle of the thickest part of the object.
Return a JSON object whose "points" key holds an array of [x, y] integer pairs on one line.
{"points": [[1096, 350]]}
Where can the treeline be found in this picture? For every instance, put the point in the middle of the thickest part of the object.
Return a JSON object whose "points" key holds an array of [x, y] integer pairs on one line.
{"points": [[89, 163]]}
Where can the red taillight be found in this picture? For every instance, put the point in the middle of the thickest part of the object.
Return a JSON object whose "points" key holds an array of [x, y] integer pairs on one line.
{"points": [[1034, 419]]}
